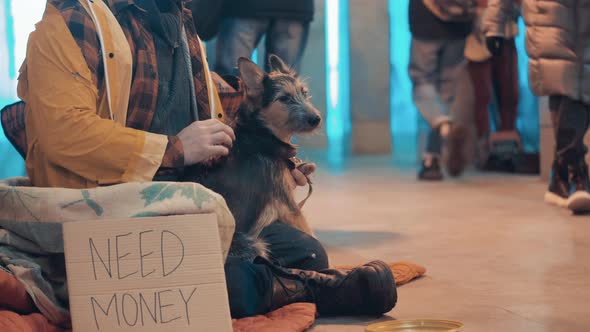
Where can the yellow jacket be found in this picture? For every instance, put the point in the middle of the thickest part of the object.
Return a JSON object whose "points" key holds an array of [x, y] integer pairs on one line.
{"points": [[76, 134]]}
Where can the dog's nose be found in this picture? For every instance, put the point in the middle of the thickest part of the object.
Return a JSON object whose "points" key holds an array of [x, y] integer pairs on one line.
{"points": [[314, 120]]}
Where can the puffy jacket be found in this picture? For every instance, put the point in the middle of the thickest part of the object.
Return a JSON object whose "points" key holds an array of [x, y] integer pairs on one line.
{"points": [[302, 10], [558, 43]]}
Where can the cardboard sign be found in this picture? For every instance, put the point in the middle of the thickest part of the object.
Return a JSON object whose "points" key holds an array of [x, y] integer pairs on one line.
{"points": [[147, 274]]}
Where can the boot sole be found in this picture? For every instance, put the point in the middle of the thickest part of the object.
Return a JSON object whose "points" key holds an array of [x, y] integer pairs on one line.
{"points": [[554, 199], [579, 202], [383, 287], [456, 144]]}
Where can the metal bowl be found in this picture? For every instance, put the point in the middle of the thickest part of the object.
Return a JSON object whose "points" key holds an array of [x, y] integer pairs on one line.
{"points": [[416, 325]]}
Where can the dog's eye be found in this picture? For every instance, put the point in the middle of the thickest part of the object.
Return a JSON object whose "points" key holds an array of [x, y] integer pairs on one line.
{"points": [[284, 99], [305, 92]]}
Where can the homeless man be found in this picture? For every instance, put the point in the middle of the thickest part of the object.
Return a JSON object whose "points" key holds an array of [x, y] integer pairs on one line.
{"points": [[120, 91]]}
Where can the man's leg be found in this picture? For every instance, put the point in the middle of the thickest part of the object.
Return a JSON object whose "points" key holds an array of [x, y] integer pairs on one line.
{"points": [[451, 62], [481, 76], [572, 123], [237, 38], [287, 39], [302, 276], [481, 79], [424, 72], [558, 191], [573, 119], [453, 81], [505, 69], [291, 248]]}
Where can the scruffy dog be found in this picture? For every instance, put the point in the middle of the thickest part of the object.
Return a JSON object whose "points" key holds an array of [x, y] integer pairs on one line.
{"points": [[255, 179]]}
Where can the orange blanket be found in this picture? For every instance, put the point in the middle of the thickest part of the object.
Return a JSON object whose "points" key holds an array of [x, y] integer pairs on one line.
{"points": [[17, 311]]}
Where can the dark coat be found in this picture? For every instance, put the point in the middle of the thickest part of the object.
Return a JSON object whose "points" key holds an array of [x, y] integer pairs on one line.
{"points": [[302, 10], [425, 25]]}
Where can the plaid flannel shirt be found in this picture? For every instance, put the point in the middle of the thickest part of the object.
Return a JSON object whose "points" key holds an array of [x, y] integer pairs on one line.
{"points": [[144, 86]]}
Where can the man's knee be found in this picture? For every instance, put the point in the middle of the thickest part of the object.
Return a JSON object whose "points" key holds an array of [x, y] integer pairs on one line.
{"points": [[318, 256], [290, 247]]}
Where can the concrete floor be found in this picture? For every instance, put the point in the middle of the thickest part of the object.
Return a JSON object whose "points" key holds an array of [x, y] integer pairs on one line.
{"points": [[498, 258]]}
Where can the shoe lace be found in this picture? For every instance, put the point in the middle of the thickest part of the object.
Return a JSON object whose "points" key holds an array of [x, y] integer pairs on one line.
{"points": [[308, 284]]}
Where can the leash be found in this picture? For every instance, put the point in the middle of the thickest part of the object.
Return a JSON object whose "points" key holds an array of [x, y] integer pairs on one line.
{"points": [[297, 163]]}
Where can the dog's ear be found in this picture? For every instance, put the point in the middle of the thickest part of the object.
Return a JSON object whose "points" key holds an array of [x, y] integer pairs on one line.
{"points": [[276, 64], [252, 76]]}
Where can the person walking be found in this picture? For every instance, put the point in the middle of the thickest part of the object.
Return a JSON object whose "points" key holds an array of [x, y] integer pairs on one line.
{"points": [[558, 44], [494, 72], [439, 29]]}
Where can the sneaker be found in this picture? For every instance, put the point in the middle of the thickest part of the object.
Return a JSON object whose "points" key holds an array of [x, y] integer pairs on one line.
{"points": [[558, 192], [430, 169], [579, 192], [456, 150]]}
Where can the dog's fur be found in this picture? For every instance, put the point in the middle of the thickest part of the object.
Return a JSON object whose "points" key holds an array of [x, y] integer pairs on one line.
{"points": [[255, 179]]}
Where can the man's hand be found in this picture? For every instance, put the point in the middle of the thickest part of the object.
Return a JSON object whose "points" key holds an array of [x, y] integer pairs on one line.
{"points": [[205, 140], [300, 173], [495, 45]]}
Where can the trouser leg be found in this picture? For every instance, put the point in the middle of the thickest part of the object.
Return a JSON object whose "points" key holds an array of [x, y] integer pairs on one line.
{"points": [[572, 120], [287, 39], [237, 38], [505, 69], [249, 287], [481, 76], [424, 72]]}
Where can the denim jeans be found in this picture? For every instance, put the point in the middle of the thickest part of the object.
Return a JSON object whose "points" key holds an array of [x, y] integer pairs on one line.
{"points": [[239, 37], [435, 66]]}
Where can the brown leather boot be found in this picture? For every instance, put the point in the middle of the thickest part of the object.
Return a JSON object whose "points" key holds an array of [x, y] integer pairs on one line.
{"points": [[366, 290]]}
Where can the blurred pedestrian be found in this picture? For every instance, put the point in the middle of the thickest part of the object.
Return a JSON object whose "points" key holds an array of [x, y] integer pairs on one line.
{"points": [[207, 15], [439, 29], [284, 24], [499, 74], [558, 44]]}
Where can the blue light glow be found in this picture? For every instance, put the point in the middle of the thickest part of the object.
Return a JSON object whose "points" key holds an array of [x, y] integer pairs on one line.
{"points": [[404, 116], [528, 104], [338, 124], [255, 56], [17, 19]]}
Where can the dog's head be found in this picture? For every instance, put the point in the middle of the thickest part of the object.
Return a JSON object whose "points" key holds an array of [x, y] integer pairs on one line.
{"points": [[280, 99]]}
